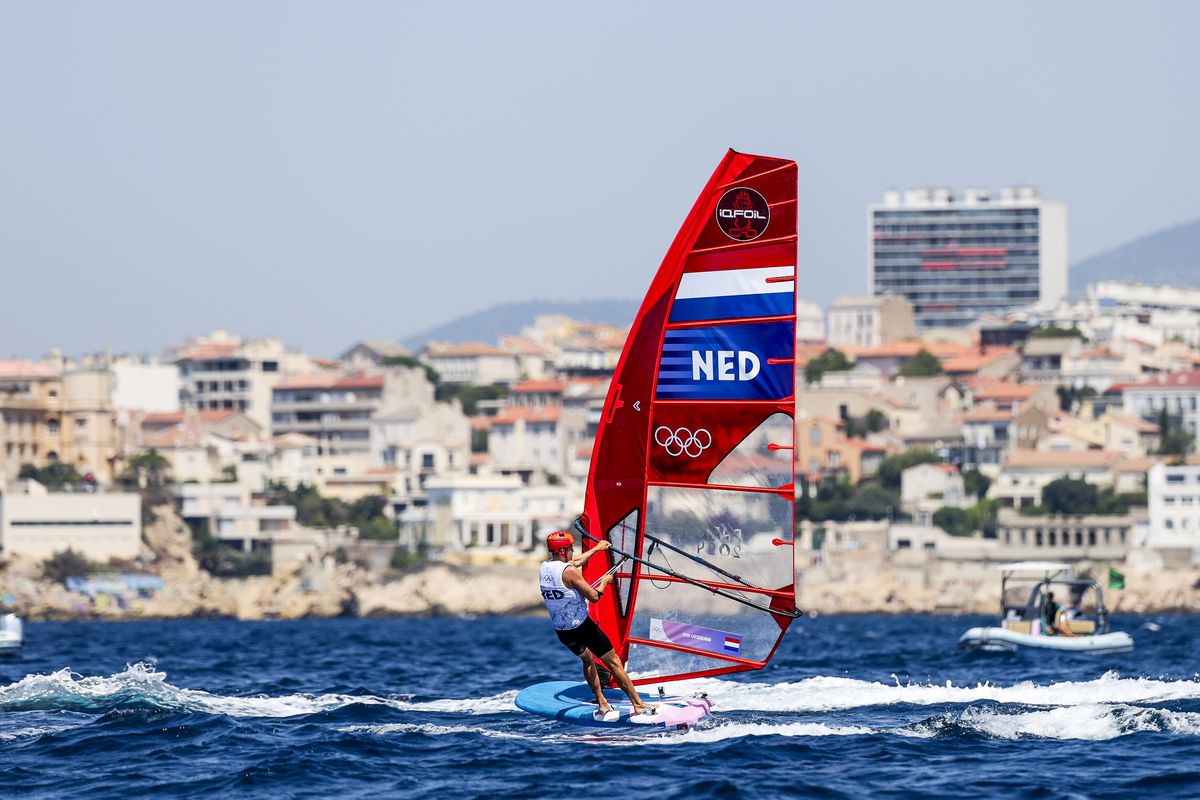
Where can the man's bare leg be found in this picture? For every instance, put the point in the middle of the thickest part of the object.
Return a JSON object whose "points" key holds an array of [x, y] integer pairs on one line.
{"points": [[592, 676], [615, 666]]}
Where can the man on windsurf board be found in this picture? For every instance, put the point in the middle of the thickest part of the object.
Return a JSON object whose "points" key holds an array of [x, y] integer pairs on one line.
{"points": [[567, 594]]}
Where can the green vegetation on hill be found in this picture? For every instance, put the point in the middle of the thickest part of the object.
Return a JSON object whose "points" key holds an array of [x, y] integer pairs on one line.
{"points": [[922, 365], [830, 361], [470, 396], [316, 511]]}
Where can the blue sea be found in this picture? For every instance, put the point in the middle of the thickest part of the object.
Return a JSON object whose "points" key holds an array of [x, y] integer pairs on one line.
{"points": [[862, 706]]}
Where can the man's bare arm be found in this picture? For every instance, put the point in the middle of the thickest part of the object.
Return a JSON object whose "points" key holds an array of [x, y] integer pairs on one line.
{"points": [[582, 558], [573, 578]]}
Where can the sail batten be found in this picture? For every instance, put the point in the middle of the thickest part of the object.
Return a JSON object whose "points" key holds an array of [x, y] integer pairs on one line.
{"points": [[692, 471]]}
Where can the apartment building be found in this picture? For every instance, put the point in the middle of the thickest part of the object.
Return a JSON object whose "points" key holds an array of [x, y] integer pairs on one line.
{"points": [[1174, 395], [485, 511], [48, 415], [30, 415], [958, 257], [1174, 499], [869, 321], [223, 372]]}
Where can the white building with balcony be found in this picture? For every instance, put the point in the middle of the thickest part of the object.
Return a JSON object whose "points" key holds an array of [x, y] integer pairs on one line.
{"points": [[1174, 497], [492, 511]]}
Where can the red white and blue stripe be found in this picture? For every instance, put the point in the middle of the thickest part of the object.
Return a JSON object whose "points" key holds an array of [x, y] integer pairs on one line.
{"points": [[735, 294]]}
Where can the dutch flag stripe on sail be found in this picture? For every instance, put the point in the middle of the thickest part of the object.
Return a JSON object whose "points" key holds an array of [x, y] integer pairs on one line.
{"points": [[734, 294], [733, 644]]}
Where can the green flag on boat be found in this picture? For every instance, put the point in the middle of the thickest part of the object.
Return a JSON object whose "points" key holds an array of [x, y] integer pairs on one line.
{"points": [[1116, 580]]}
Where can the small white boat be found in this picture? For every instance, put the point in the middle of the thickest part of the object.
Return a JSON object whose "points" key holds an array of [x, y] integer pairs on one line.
{"points": [[1031, 618], [12, 634]]}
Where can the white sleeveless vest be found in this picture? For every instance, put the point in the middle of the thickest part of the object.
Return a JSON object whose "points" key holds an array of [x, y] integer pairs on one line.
{"points": [[568, 610]]}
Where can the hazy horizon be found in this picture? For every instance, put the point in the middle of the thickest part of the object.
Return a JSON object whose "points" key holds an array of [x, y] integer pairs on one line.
{"points": [[325, 173]]}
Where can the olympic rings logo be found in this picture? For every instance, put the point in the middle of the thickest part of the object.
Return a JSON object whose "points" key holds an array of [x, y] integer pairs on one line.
{"points": [[683, 441]]}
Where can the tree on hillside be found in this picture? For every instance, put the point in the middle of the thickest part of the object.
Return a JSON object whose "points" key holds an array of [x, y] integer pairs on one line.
{"points": [[470, 396], [922, 365], [891, 467], [1174, 440], [954, 521], [830, 361], [1070, 496], [976, 483], [1055, 332]]}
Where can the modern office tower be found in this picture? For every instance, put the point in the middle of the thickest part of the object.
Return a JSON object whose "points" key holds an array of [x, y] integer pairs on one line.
{"points": [[958, 257]]}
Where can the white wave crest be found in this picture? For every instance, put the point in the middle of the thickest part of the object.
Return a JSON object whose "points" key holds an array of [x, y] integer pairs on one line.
{"points": [[834, 693], [1091, 722], [141, 686]]}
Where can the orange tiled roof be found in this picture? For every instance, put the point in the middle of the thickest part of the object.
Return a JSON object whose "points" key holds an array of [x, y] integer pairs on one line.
{"points": [[539, 387], [160, 418], [325, 380], [973, 362], [1171, 380], [908, 348], [194, 352], [1006, 390], [530, 414], [1064, 459], [464, 350], [20, 368], [987, 413]]}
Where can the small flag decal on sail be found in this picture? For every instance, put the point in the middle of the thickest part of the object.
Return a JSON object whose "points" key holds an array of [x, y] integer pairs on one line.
{"points": [[696, 637], [735, 294]]}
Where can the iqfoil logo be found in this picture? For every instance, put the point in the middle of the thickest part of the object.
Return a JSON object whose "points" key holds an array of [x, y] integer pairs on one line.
{"points": [[743, 214]]}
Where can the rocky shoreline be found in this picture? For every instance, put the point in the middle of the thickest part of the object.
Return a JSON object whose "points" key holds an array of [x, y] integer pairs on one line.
{"points": [[850, 584]]}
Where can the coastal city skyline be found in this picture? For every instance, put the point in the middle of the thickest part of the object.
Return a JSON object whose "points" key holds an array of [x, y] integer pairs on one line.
{"points": [[300, 174]]}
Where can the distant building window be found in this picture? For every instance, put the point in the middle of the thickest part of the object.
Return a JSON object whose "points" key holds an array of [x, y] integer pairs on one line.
{"points": [[1175, 478], [52, 427], [427, 460], [816, 435], [80, 425], [270, 366]]}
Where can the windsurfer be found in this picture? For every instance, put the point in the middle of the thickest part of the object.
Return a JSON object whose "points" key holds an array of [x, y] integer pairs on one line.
{"points": [[565, 592]]}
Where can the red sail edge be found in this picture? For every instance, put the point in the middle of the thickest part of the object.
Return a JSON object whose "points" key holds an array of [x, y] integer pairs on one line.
{"points": [[693, 453]]}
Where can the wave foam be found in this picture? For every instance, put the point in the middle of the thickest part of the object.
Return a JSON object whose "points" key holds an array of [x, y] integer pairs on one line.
{"points": [[834, 693]]}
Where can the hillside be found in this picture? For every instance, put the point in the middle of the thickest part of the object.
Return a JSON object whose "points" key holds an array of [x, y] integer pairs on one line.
{"points": [[1167, 256], [490, 323]]}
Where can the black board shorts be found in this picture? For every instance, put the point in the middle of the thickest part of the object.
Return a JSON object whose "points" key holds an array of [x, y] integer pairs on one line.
{"points": [[587, 636]]}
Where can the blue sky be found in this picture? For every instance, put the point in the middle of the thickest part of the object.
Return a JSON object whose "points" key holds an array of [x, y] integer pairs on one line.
{"points": [[326, 172]]}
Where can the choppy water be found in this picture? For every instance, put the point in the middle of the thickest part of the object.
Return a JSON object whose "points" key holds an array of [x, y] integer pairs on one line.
{"points": [[851, 707]]}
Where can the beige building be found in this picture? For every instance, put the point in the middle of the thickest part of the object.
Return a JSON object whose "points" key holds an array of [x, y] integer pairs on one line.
{"points": [[30, 415], [472, 363], [49, 416], [224, 372], [824, 450], [869, 321], [1026, 472], [1093, 537], [98, 526]]}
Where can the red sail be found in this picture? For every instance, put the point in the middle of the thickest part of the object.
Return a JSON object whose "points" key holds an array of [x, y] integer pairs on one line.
{"points": [[692, 471]]}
